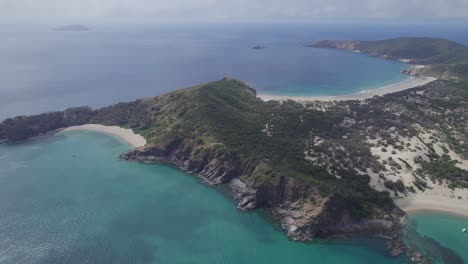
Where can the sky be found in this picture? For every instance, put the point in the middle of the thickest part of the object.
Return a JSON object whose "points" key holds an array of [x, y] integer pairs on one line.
{"points": [[233, 10]]}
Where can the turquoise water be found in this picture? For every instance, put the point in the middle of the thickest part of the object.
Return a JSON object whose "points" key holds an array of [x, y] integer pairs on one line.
{"points": [[69, 199], [339, 73], [445, 229]]}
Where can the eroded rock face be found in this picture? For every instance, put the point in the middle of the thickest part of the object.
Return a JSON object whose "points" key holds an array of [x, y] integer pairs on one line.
{"points": [[304, 214], [215, 168]]}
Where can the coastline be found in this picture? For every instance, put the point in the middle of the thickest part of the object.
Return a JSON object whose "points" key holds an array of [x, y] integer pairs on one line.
{"points": [[408, 83], [433, 203], [125, 134]]}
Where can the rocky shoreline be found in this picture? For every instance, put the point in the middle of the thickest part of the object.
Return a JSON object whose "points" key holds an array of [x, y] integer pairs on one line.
{"points": [[292, 170], [301, 211]]}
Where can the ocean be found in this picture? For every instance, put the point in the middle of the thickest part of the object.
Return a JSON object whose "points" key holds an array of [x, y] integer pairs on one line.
{"points": [[46, 70], [445, 230], [69, 199]]}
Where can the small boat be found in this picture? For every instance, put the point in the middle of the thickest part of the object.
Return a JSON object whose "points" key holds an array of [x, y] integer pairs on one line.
{"points": [[464, 230]]}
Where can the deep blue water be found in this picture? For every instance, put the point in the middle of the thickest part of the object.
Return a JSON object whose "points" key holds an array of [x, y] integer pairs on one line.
{"points": [[44, 70]]}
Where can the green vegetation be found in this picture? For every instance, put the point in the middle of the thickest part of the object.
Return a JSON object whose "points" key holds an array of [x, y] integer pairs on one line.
{"points": [[132, 115], [458, 71], [445, 169], [408, 166], [22, 127], [446, 59], [396, 186], [225, 119], [318, 149], [419, 50], [328, 150]]}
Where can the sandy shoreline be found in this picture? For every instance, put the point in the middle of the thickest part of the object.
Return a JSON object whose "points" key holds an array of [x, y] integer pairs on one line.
{"points": [[124, 134], [411, 82], [439, 199], [435, 203]]}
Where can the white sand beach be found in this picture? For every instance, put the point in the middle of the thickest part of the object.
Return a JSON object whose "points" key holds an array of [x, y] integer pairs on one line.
{"points": [[411, 82], [445, 202], [124, 134]]}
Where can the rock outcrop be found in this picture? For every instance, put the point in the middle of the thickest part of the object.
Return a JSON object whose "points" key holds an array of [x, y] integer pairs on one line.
{"points": [[303, 212]]}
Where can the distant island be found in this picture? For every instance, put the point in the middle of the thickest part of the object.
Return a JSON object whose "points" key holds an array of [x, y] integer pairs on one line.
{"points": [[321, 169], [258, 47], [73, 28], [444, 59]]}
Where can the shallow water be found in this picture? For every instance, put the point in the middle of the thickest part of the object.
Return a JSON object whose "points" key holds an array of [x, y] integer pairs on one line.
{"points": [[68, 199], [446, 231]]}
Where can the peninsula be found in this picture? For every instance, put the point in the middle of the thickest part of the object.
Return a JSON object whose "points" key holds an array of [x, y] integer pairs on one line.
{"points": [[442, 58], [321, 169]]}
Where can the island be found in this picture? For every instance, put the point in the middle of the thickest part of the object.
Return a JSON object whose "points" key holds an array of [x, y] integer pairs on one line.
{"points": [[73, 28], [441, 58], [258, 47], [321, 169]]}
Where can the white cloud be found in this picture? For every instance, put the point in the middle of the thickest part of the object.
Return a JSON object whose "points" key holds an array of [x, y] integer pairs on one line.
{"points": [[233, 9]]}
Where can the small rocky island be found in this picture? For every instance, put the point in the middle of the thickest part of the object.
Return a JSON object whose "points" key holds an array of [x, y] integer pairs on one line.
{"points": [[73, 28]]}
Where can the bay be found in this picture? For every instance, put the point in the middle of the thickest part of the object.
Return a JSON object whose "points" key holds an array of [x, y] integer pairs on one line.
{"points": [[69, 199], [45, 70]]}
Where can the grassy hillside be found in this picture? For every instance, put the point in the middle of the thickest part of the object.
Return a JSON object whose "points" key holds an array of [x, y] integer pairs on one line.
{"points": [[227, 113], [427, 51], [330, 149], [444, 59], [420, 50], [225, 117], [449, 71]]}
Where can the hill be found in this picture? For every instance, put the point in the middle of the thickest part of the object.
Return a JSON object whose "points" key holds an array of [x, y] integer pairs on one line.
{"points": [[222, 132], [321, 169], [427, 51]]}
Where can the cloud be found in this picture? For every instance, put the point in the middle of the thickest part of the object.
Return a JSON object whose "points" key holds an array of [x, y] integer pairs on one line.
{"points": [[233, 9]]}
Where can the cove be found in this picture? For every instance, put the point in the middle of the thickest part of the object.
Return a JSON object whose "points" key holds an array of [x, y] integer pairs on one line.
{"points": [[69, 199]]}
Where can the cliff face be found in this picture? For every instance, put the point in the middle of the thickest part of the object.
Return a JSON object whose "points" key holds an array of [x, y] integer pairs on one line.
{"points": [[308, 168], [302, 210], [223, 133]]}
